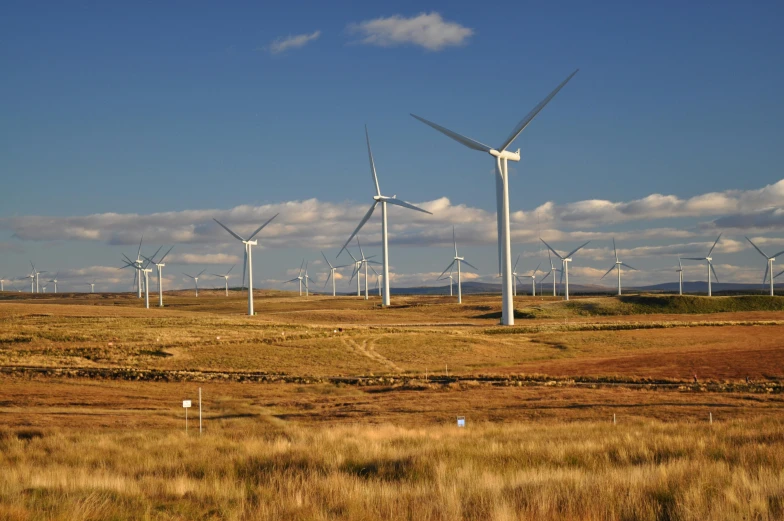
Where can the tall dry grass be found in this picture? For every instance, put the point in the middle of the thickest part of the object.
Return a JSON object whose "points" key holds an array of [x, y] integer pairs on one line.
{"points": [[577, 471]]}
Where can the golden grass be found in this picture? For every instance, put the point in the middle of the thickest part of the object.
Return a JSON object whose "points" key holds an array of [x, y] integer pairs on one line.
{"points": [[585, 471]]}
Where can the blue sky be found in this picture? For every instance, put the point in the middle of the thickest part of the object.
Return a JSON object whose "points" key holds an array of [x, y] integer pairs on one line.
{"points": [[140, 110]]}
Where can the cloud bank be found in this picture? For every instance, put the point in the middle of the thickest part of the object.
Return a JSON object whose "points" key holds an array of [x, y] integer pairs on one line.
{"points": [[427, 30]]}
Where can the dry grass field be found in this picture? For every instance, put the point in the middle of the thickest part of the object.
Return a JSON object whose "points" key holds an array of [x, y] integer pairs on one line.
{"points": [[325, 408]]}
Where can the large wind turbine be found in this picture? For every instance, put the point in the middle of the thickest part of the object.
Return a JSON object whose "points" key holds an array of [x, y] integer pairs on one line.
{"points": [[457, 260], [378, 198], [617, 266], [225, 277], [332, 270], [709, 260], [680, 277], [565, 260], [769, 267], [195, 279], [298, 278], [553, 271], [159, 265], [248, 263], [532, 276], [502, 156]]}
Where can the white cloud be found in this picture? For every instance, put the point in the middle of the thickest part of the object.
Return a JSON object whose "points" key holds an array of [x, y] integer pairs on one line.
{"points": [[203, 258], [426, 30], [292, 42]]}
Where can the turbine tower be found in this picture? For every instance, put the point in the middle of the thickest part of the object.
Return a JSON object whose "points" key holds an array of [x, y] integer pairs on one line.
{"points": [[680, 276], [225, 278], [137, 274], [32, 280], [306, 278], [553, 271], [248, 261], [92, 286], [54, 280], [457, 260], [2, 284], [617, 266], [502, 157], [298, 278], [450, 281], [378, 198], [195, 280], [332, 270], [159, 265], [533, 279], [565, 260], [709, 260], [769, 267]]}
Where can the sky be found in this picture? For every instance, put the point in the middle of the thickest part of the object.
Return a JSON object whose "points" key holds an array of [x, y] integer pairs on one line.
{"points": [[126, 119]]}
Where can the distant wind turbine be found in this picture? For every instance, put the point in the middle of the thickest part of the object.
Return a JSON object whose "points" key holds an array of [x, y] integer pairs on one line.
{"points": [[36, 273], [552, 272], [298, 278], [307, 279], [532, 276], [457, 262], [502, 156], [565, 260], [378, 198], [680, 276], [769, 267], [363, 261], [159, 265], [708, 259], [247, 266], [2, 283], [332, 270], [225, 277], [195, 279], [53, 280], [92, 286], [450, 277], [617, 266]]}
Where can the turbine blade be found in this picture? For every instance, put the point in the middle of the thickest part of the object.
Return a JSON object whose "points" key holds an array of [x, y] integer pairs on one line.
{"points": [[232, 267], [627, 266], [714, 245], [531, 115], [546, 275], [515, 264], [373, 270], [615, 250], [454, 239], [359, 227], [300, 267], [447, 268], [679, 263], [694, 258], [165, 254], [551, 249], [407, 205], [228, 230], [252, 235], [467, 141], [325, 258], [202, 271], [560, 282], [778, 254], [713, 270], [372, 163], [608, 271], [140, 247], [756, 248], [765, 277], [244, 265], [469, 264], [779, 274], [328, 276], [577, 249], [537, 269]]}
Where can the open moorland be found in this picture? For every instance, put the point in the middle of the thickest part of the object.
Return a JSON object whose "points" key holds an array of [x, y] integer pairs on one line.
{"points": [[334, 408]]}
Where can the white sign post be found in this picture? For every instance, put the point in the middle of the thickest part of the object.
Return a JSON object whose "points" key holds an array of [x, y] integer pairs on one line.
{"points": [[461, 421], [186, 404]]}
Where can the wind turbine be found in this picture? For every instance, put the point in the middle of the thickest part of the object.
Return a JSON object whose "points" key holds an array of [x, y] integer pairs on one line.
{"points": [[137, 274], [2, 283], [159, 265], [54, 280], [709, 260], [357, 266], [457, 260], [533, 278], [225, 278], [92, 286], [378, 280], [195, 280], [617, 266], [362, 261], [248, 263], [502, 157], [332, 270], [450, 282], [378, 198], [36, 273], [306, 278], [680, 276], [552, 272], [298, 278], [769, 267], [32, 280], [565, 260]]}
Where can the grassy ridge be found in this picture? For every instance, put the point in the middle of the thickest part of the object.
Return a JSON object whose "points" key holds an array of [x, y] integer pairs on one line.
{"points": [[674, 304], [641, 471]]}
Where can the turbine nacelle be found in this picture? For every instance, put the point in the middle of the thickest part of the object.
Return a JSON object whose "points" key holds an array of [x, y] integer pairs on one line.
{"points": [[505, 154]]}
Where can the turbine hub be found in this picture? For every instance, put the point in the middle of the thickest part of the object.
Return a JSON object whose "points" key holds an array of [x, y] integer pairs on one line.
{"points": [[505, 154]]}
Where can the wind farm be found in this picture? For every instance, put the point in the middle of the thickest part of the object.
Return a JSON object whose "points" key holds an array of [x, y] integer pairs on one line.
{"points": [[366, 364]]}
